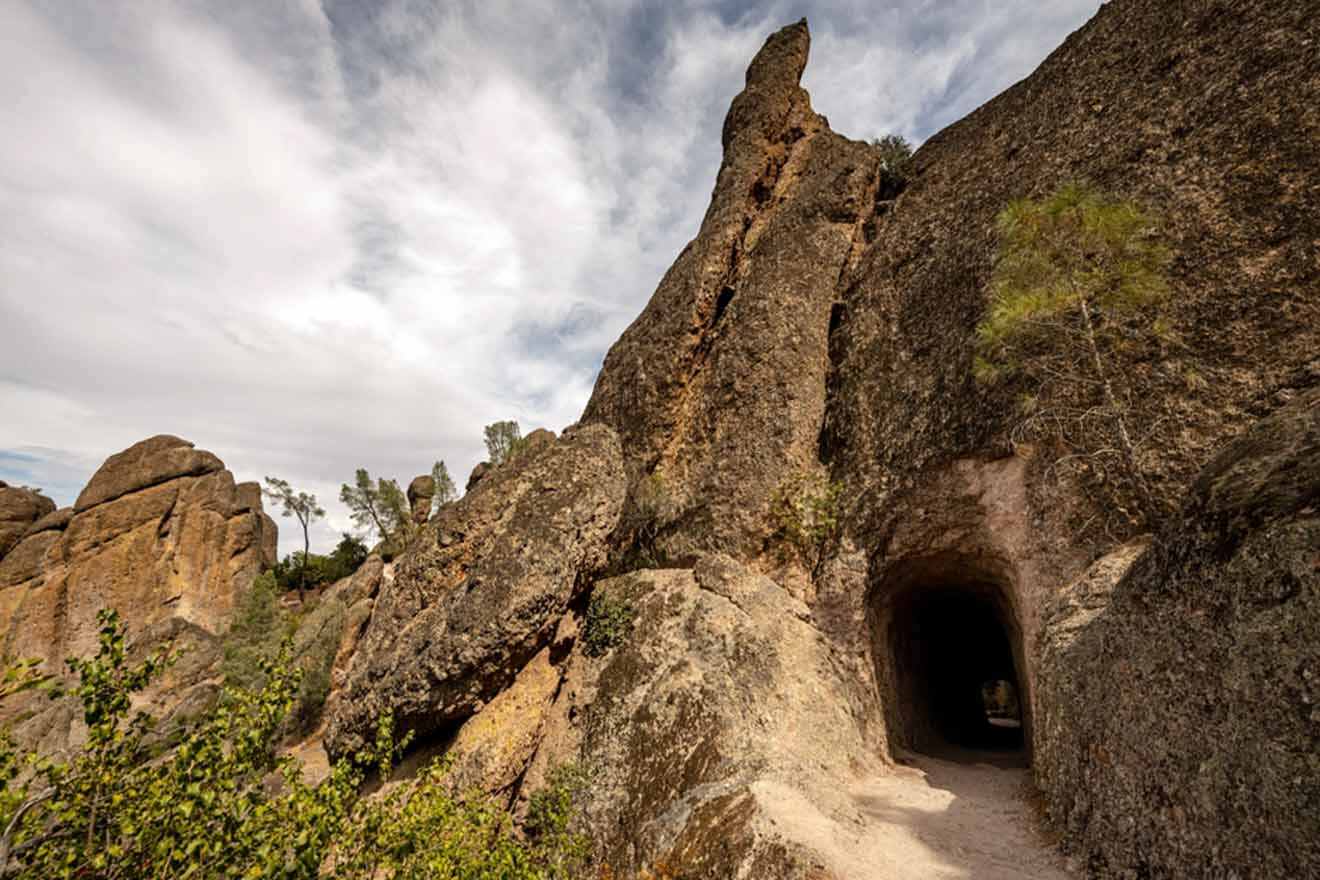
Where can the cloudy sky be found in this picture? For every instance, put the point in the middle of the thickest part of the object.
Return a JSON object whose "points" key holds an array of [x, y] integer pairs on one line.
{"points": [[312, 236]]}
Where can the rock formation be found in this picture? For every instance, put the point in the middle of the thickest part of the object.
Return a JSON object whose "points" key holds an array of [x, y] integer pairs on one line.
{"points": [[819, 327], [20, 509], [482, 588], [719, 386], [816, 336], [420, 493], [817, 331], [1180, 722], [162, 534]]}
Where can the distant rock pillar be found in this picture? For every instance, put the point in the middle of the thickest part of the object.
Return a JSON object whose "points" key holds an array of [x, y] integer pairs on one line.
{"points": [[420, 492]]}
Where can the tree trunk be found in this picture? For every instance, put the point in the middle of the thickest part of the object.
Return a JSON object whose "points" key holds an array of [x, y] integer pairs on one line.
{"points": [[1129, 451], [302, 572]]}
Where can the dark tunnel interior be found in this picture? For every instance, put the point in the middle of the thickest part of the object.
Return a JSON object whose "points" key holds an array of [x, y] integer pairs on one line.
{"points": [[952, 663]]}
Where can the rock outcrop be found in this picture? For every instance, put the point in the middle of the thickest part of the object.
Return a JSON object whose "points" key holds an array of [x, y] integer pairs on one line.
{"points": [[420, 493], [482, 589], [818, 332], [718, 388], [163, 535], [1181, 724], [20, 510], [724, 733]]}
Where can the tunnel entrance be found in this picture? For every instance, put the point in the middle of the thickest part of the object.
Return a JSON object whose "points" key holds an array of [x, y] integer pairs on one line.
{"points": [[948, 647]]}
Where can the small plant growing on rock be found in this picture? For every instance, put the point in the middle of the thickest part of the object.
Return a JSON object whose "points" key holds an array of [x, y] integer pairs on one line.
{"points": [[608, 621], [1076, 276], [895, 152], [650, 509], [806, 510], [504, 440]]}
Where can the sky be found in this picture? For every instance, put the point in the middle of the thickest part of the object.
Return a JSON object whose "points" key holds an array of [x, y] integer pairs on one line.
{"points": [[312, 237]]}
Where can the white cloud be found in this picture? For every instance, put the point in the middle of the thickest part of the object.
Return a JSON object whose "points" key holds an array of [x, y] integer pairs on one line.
{"points": [[315, 239]]}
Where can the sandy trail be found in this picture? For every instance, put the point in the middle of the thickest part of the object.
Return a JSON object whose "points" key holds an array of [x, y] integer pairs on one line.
{"points": [[961, 815]]}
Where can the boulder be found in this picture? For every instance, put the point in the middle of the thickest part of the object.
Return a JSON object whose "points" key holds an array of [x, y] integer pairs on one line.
{"points": [[149, 463], [494, 747], [481, 588], [420, 492], [478, 474], [1180, 734], [19, 509]]}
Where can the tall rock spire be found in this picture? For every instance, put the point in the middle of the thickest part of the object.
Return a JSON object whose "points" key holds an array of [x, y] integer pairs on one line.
{"points": [[719, 386]]}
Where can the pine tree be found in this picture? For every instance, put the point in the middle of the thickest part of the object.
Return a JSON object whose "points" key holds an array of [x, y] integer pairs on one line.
{"points": [[1077, 275]]}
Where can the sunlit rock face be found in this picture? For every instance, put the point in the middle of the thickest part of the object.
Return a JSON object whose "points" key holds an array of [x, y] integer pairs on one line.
{"points": [[20, 510], [163, 535]]}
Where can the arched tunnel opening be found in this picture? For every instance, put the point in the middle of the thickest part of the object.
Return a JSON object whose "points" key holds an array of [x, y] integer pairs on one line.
{"points": [[947, 647]]}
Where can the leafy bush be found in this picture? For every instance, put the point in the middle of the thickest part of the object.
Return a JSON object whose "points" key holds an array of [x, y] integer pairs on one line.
{"points": [[258, 628], [346, 558], [608, 621], [208, 808], [202, 810], [315, 645], [806, 511]]}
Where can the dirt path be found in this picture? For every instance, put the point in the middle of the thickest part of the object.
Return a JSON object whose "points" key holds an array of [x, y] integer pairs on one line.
{"points": [[941, 819], [938, 818]]}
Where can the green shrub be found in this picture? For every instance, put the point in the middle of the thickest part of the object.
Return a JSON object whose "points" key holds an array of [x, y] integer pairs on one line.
{"points": [[806, 513], [261, 627], [550, 812], [315, 645], [608, 621], [202, 810], [207, 808], [344, 560], [895, 152], [258, 628], [425, 830]]}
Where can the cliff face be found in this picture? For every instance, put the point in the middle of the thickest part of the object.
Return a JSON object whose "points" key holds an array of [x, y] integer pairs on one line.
{"points": [[818, 331], [162, 534], [1180, 734]]}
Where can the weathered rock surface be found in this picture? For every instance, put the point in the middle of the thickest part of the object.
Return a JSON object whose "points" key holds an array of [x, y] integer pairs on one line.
{"points": [[19, 509], [1181, 728], [482, 588], [478, 473], [162, 534], [723, 731], [493, 749], [1206, 116], [420, 492], [719, 386]]}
